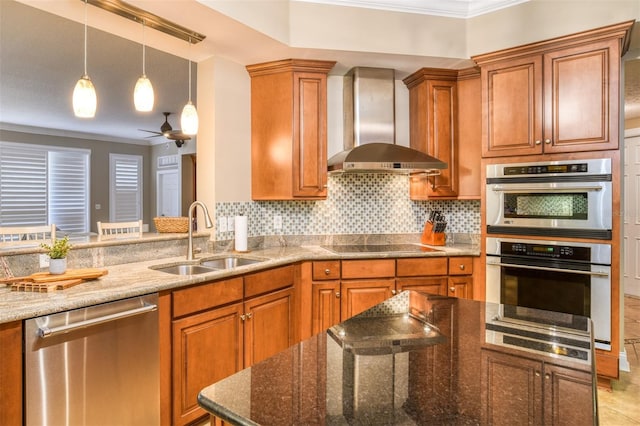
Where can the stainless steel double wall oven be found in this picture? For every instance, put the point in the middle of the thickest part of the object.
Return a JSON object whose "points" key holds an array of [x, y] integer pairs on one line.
{"points": [[557, 200]]}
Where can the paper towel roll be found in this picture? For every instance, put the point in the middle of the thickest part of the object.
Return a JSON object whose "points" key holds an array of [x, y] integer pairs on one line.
{"points": [[241, 233]]}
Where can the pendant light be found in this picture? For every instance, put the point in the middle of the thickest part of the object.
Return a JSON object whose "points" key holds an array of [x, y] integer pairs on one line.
{"points": [[85, 100], [143, 92], [189, 118]]}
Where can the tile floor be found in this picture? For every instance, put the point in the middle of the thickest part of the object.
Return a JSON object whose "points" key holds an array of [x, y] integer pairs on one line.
{"points": [[621, 406]]}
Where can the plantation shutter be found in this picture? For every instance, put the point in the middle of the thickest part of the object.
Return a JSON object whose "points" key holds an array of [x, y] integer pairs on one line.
{"points": [[69, 190], [23, 185], [41, 185], [126, 187]]}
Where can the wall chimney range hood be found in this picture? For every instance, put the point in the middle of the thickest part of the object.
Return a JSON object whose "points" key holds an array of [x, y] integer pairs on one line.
{"points": [[369, 128]]}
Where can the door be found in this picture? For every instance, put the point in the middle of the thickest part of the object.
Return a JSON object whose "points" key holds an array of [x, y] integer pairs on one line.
{"points": [[360, 295], [169, 193], [631, 202]]}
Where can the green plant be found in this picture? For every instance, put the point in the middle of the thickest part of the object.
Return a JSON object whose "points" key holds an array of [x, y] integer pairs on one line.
{"points": [[59, 248]]}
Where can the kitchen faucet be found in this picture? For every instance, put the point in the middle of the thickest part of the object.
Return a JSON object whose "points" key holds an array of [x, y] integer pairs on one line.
{"points": [[207, 220]]}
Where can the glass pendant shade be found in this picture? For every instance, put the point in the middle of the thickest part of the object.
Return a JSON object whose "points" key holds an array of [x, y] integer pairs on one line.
{"points": [[85, 99], [143, 94], [189, 119]]}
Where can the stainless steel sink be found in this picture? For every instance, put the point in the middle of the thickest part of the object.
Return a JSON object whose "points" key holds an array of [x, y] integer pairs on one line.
{"points": [[206, 265], [189, 269], [229, 262]]}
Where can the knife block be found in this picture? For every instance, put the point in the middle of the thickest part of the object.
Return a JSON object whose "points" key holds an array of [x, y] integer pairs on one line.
{"points": [[432, 238]]}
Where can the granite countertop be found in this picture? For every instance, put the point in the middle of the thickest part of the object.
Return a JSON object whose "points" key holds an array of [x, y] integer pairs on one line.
{"points": [[414, 359], [135, 279]]}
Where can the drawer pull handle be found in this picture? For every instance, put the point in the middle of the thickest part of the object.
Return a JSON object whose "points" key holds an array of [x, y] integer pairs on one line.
{"points": [[461, 267], [327, 271], [452, 289], [547, 141], [249, 315], [337, 295], [538, 142]]}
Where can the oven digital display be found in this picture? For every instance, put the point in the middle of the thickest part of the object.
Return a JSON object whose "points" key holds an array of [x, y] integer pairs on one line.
{"points": [[542, 249]]}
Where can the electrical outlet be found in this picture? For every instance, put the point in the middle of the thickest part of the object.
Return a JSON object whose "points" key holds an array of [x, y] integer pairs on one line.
{"points": [[222, 224], [277, 222], [230, 224], [44, 260]]}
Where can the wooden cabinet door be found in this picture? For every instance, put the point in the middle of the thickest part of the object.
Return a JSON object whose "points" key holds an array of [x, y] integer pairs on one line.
{"points": [[207, 347], [436, 136], [309, 135], [359, 295], [512, 107], [461, 286], [11, 373], [581, 97], [268, 325], [567, 396], [511, 390], [325, 305]]}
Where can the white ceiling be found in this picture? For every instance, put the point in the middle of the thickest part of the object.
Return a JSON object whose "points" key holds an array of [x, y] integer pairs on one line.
{"points": [[41, 58]]}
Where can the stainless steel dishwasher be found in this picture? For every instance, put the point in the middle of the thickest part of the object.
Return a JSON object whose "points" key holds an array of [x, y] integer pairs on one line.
{"points": [[94, 366]]}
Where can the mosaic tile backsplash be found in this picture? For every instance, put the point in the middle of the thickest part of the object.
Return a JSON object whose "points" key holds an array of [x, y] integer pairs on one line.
{"points": [[364, 203]]}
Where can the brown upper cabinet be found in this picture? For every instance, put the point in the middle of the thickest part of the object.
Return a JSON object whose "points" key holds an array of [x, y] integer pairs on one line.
{"points": [[444, 121], [289, 129], [559, 95]]}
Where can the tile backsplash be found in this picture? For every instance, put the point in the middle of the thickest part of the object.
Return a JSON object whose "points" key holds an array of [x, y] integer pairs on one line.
{"points": [[364, 203]]}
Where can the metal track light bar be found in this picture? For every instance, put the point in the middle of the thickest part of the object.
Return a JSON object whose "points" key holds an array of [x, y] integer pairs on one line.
{"points": [[149, 19]]}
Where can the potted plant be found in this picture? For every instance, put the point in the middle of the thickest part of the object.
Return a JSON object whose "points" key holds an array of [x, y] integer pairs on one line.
{"points": [[57, 254]]}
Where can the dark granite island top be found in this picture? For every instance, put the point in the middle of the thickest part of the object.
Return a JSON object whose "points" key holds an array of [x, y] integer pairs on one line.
{"points": [[420, 359]]}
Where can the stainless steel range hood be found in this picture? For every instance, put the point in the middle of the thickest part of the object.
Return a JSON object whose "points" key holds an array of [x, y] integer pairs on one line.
{"points": [[369, 128]]}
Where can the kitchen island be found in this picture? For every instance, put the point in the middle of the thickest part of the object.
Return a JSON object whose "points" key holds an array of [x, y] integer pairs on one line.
{"points": [[419, 359]]}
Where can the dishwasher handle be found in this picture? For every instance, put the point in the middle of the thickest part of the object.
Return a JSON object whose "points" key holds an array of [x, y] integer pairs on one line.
{"points": [[44, 332]]}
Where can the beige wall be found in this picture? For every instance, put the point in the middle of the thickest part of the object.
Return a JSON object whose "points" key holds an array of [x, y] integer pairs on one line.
{"points": [[538, 20]]}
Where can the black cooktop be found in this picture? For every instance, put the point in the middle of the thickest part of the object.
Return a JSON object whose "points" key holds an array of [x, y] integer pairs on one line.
{"points": [[379, 248]]}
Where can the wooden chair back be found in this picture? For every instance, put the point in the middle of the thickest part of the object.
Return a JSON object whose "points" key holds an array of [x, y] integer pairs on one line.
{"points": [[114, 230], [27, 235]]}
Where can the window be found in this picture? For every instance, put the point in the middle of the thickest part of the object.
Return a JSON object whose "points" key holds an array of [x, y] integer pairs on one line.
{"points": [[125, 177], [41, 185]]}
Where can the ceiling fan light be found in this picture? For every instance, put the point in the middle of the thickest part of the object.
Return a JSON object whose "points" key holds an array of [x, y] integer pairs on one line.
{"points": [[189, 119], [143, 97], [85, 99]]}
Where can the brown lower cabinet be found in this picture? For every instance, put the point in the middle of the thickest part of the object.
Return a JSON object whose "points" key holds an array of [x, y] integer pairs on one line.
{"points": [[520, 390], [222, 327], [342, 289], [11, 373]]}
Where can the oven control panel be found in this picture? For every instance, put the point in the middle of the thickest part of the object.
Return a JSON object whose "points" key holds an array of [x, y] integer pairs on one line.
{"points": [[541, 169], [545, 250]]}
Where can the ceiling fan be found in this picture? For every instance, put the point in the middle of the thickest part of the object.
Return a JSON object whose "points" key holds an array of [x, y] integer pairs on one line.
{"points": [[167, 131]]}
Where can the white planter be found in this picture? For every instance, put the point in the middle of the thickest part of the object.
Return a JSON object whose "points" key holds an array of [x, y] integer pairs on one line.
{"points": [[57, 266]]}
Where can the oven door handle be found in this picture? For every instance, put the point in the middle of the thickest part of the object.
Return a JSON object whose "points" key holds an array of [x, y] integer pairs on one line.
{"points": [[511, 188], [542, 268]]}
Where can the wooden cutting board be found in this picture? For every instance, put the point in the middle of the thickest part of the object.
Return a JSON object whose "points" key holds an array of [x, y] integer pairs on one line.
{"points": [[83, 274], [43, 282], [86, 273]]}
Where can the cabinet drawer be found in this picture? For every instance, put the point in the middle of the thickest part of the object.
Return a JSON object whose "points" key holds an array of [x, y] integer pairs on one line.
{"points": [[369, 268], [326, 270], [206, 296], [460, 265], [266, 281], [419, 267]]}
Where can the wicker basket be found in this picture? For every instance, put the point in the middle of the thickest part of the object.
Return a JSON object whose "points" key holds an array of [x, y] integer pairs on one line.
{"points": [[171, 224]]}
